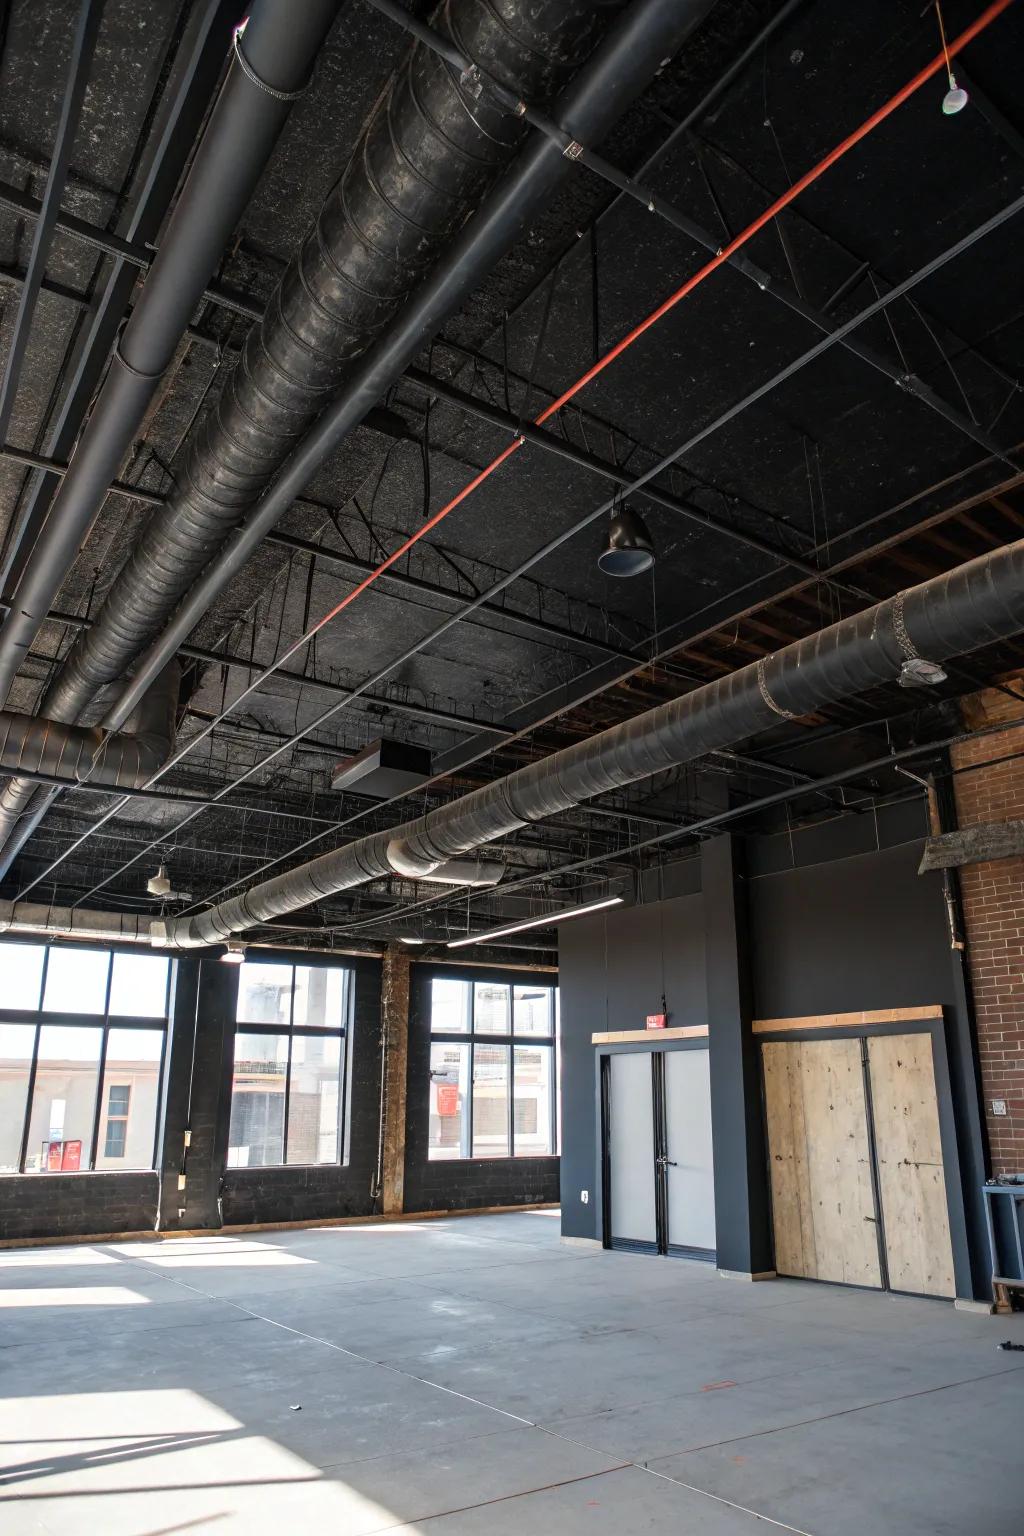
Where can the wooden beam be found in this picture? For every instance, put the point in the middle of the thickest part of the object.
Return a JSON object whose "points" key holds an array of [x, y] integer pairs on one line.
{"points": [[394, 1008], [847, 1020], [649, 1036]]}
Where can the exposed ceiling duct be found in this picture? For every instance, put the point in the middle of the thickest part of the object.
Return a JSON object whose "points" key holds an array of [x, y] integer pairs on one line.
{"points": [[430, 150], [39, 918], [955, 613], [85, 753], [272, 66], [647, 34]]}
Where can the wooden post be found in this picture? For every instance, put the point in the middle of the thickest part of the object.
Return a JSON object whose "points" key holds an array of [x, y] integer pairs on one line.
{"points": [[395, 1032]]}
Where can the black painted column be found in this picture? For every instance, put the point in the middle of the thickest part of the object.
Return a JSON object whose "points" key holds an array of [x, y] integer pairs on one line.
{"points": [[198, 1097], [742, 1212]]}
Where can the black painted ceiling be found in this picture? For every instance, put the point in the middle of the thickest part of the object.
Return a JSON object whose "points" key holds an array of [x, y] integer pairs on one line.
{"points": [[562, 652]]}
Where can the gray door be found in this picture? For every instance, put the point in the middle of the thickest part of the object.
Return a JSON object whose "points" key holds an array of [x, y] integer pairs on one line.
{"points": [[631, 1149], [689, 1168]]}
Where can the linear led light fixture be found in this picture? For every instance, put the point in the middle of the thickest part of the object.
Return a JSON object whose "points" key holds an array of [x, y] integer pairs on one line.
{"points": [[536, 922]]}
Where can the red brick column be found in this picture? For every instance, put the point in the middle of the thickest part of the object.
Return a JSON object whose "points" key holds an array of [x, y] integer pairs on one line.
{"points": [[993, 902]]}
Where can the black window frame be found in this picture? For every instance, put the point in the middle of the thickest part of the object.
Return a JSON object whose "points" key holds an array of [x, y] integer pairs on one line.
{"points": [[39, 1018], [509, 1038], [290, 1030]]}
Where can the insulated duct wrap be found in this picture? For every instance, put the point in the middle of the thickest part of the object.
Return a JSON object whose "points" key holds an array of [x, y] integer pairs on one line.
{"points": [[953, 614], [279, 46], [432, 147], [427, 156], [81, 753]]}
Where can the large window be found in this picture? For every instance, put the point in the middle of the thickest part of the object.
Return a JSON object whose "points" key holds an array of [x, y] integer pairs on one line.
{"points": [[493, 1069], [288, 1090], [82, 1040]]}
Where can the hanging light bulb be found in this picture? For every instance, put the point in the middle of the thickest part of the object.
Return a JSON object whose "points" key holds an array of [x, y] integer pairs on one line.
{"points": [[629, 548], [955, 98]]}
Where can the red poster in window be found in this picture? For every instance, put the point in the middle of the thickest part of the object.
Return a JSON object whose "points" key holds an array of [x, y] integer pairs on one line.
{"points": [[447, 1099], [53, 1150], [71, 1157]]}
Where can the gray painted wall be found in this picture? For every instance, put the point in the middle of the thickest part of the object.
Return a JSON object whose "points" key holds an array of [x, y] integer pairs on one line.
{"points": [[836, 924], [610, 974]]}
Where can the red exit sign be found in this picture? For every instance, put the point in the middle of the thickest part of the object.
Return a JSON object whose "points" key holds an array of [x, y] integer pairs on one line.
{"points": [[657, 1020]]}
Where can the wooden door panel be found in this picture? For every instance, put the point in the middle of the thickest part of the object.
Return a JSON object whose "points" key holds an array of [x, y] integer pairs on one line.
{"points": [[822, 1198], [911, 1179]]}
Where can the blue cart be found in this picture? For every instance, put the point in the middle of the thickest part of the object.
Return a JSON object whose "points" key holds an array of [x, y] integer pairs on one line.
{"points": [[1004, 1213]]}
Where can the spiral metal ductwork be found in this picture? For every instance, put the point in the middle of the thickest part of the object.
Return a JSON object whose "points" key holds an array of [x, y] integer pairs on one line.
{"points": [[278, 48], [971, 606], [82, 754], [429, 152]]}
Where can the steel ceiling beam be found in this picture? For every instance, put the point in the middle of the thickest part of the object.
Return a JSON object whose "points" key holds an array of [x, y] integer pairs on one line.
{"points": [[83, 45], [197, 71]]}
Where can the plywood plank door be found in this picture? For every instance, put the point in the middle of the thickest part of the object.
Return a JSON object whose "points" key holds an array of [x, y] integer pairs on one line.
{"points": [[908, 1146], [822, 1198]]}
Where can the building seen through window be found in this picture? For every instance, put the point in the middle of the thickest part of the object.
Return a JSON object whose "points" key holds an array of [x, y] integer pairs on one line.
{"points": [[493, 1089], [287, 1092], [82, 1044]]}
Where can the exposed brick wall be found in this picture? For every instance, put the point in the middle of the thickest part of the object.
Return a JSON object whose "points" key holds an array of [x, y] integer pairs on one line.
{"points": [[76, 1204], [993, 902]]}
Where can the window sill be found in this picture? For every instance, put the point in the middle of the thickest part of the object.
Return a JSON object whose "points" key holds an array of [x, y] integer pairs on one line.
{"points": [[85, 1173]]}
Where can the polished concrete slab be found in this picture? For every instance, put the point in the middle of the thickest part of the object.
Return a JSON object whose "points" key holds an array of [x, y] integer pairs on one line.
{"points": [[475, 1375]]}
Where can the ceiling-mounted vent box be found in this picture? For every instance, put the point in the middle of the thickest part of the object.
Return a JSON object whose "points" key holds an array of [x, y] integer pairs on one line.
{"points": [[382, 769]]}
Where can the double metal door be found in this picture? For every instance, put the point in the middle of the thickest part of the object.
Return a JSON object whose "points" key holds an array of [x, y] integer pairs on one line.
{"points": [[658, 1173]]}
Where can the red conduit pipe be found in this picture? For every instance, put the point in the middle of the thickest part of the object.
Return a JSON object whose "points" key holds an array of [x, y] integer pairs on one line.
{"points": [[938, 63]]}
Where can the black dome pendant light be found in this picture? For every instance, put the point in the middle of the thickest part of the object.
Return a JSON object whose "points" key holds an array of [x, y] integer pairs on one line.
{"points": [[629, 548]]}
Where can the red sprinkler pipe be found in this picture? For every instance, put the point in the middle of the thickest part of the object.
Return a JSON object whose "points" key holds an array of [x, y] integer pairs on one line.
{"points": [[938, 63]]}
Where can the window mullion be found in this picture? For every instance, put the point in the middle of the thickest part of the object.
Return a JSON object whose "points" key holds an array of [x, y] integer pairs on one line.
{"points": [[101, 1073], [29, 1096], [94, 1147]]}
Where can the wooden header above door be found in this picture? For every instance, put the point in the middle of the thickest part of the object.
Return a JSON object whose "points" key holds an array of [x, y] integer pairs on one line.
{"points": [[848, 1020], [626, 1036]]}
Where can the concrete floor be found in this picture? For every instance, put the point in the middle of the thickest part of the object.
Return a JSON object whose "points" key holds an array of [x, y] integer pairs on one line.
{"points": [[475, 1375]]}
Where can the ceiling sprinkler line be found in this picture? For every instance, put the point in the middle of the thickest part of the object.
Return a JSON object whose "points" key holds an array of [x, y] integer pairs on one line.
{"points": [[721, 257], [983, 21]]}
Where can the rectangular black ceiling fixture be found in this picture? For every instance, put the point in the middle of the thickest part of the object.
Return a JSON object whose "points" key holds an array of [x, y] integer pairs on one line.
{"points": [[383, 768]]}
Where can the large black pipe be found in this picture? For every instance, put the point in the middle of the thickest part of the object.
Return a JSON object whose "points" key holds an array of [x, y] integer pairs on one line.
{"points": [[968, 607], [279, 44], [647, 33], [273, 63], [170, 554], [428, 154], [198, 66]]}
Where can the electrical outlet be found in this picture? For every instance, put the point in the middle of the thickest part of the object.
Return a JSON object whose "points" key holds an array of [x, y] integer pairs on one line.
{"points": [[584, 1196], [999, 1106]]}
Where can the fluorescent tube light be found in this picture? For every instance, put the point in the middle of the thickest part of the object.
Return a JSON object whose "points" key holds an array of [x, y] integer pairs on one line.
{"points": [[546, 921]]}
